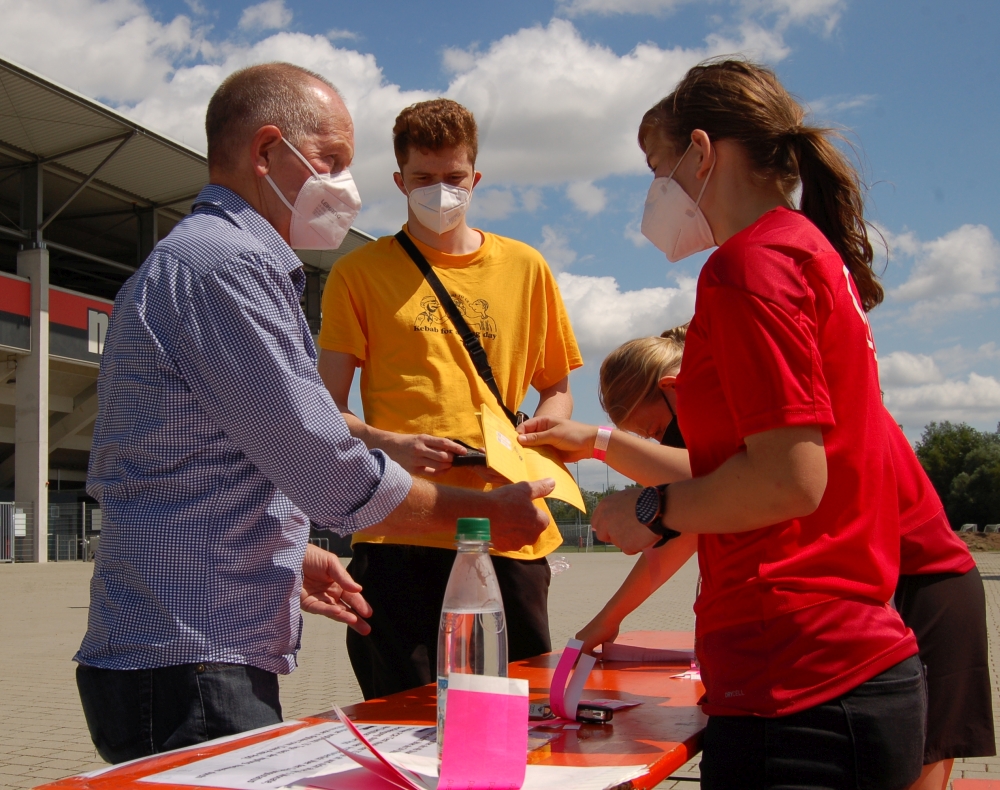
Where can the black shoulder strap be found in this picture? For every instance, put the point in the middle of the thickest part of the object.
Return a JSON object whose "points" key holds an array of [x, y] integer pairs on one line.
{"points": [[469, 338]]}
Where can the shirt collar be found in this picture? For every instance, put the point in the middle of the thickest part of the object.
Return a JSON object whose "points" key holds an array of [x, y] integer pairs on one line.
{"points": [[246, 218]]}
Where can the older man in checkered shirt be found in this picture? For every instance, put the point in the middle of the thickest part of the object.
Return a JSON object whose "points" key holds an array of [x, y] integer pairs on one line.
{"points": [[216, 443]]}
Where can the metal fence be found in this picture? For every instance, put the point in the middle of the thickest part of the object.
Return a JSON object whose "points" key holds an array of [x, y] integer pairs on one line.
{"points": [[580, 537], [17, 532], [74, 530]]}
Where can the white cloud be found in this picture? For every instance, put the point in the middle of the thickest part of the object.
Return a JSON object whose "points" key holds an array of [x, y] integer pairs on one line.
{"points": [[585, 196], [269, 15], [604, 316], [975, 400], [555, 247], [634, 234], [492, 204], [832, 105], [609, 7], [531, 199], [901, 368], [339, 34], [785, 12], [951, 275], [958, 359]]}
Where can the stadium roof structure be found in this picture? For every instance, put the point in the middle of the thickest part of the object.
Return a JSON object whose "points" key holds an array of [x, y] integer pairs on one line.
{"points": [[94, 187]]}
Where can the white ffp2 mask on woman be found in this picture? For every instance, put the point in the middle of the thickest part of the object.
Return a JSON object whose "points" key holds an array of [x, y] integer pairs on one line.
{"points": [[324, 210], [672, 220], [439, 207]]}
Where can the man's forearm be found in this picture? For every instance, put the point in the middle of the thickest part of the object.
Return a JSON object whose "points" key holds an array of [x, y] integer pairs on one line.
{"points": [[374, 438], [556, 401]]}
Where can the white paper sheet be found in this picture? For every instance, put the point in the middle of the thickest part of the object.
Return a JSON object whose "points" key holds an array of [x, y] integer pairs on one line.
{"points": [[304, 759], [289, 759]]}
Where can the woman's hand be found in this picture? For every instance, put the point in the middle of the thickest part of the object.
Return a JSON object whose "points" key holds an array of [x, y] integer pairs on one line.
{"points": [[573, 440], [614, 521], [598, 631]]}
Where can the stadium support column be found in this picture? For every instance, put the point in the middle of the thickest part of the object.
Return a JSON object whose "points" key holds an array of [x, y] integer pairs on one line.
{"points": [[31, 420]]}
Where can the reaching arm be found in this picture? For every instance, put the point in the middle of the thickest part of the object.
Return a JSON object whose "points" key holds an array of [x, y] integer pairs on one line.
{"points": [[641, 460], [416, 453], [780, 476], [650, 572]]}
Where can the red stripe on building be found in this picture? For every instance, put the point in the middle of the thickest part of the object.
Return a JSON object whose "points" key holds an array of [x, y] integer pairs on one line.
{"points": [[15, 295], [70, 309]]}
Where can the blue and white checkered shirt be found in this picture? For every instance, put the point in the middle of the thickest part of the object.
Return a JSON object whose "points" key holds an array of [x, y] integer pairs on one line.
{"points": [[214, 445]]}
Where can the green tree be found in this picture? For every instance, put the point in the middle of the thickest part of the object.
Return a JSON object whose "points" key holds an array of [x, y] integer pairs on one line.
{"points": [[964, 466]]}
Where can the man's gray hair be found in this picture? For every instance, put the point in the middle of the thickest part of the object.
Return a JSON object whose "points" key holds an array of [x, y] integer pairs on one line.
{"points": [[266, 94]]}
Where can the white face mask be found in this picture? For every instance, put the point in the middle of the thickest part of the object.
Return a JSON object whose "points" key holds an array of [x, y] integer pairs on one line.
{"points": [[672, 220], [324, 210], [439, 207]]}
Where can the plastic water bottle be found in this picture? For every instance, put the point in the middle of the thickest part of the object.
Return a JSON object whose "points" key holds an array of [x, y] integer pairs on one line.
{"points": [[472, 636]]}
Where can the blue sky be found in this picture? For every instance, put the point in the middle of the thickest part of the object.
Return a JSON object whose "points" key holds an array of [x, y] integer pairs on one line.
{"points": [[559, 88]]}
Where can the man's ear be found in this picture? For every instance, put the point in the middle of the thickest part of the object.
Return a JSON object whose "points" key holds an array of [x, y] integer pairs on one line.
{"points": [[475, 179], [262, 149], [398, 179]]}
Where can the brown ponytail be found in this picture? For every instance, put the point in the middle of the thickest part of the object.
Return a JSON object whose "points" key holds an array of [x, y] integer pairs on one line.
{"points": [[742, 101]]}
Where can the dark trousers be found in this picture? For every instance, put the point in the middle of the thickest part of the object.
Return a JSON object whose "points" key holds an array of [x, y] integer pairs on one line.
{"points": [[871, 738], [405, 587], [138, 712]]}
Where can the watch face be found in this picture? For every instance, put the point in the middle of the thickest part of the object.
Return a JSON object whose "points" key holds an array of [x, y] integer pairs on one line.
{"points": [[647, 505]]}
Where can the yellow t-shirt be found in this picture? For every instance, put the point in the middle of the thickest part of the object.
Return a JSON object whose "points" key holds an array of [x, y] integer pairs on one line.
{"points": [[416, 376]]}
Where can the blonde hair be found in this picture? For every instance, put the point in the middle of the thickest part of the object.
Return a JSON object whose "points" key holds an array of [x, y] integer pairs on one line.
{"points": [[630, 373]]}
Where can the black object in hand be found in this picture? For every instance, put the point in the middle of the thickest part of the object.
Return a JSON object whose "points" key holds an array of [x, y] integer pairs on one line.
{"points": [[473, 456]]}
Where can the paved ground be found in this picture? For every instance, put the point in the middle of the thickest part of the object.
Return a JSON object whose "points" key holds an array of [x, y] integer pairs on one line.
{"points": [[44, 611]]}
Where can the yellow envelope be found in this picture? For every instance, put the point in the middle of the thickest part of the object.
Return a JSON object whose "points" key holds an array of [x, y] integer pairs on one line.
{"points": [[507, 456]]}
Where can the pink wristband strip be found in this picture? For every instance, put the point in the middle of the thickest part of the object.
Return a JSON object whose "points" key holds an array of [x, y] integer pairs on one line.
{"points": [[601, 443]]}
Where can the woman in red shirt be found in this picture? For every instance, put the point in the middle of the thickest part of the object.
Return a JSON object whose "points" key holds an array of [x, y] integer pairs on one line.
{"points": [[939, 594], [811, 676]]}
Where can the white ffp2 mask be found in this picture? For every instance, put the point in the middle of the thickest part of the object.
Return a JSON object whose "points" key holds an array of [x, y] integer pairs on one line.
{"points": [[324, 210], [439, 207], [672, 220]]}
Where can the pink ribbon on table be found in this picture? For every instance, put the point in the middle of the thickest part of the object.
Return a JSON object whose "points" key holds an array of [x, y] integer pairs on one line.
{"points": [[564, 698]]}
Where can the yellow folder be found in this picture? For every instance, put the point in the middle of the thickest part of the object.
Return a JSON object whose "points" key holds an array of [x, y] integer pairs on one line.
{"points": [[507, 456]]}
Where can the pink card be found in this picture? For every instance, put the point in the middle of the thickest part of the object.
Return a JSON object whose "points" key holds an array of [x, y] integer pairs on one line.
{"points": [[485, 733], [564, 698]]}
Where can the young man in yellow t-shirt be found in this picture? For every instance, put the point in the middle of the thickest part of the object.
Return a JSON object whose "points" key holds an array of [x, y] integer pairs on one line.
{"points": [[420, 388]]}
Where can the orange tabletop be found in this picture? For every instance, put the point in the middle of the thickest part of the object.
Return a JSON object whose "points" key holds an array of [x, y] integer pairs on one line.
{"points": [[662, 733]]}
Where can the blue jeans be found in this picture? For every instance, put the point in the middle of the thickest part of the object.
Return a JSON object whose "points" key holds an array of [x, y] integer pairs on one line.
{"points": [[138, 712]]}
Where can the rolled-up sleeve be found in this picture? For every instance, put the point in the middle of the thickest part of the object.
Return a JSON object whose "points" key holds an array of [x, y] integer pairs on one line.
{"points": [[243, 354]]}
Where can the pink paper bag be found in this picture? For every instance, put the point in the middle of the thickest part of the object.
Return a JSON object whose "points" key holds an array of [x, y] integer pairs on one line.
{"points": [[485, 733]]}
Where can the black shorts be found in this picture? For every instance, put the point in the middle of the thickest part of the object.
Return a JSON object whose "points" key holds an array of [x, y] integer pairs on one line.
{"points": [[405, 587], [871, 738], [947, 612]]}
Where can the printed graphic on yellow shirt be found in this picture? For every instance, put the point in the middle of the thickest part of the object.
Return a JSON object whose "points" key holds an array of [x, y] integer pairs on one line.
{"points": [[518, 464], [433, 317]]}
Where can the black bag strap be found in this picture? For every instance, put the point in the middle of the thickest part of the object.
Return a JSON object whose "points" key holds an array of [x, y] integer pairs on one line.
{"points": [[469, 338]]}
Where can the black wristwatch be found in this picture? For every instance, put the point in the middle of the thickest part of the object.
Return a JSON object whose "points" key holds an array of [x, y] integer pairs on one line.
{"points": [[649, 510]]}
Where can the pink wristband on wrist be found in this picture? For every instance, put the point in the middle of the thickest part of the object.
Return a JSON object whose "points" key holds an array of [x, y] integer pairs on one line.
{"points": [[601, 442]]}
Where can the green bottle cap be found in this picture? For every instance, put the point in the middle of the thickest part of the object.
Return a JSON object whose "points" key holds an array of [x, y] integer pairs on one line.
{"points": [[473, 529]]}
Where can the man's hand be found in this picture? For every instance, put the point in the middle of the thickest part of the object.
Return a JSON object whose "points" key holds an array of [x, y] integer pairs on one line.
{"points": [[514, 520], [328, 589], [614, 521], [573, 440]]}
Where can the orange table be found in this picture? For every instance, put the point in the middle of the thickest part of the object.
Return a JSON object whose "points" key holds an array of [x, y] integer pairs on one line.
{"points": [[663, 732]]}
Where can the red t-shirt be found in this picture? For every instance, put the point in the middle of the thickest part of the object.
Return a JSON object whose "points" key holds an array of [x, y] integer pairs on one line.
{"points": [[927, 543], [794, 614]]}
